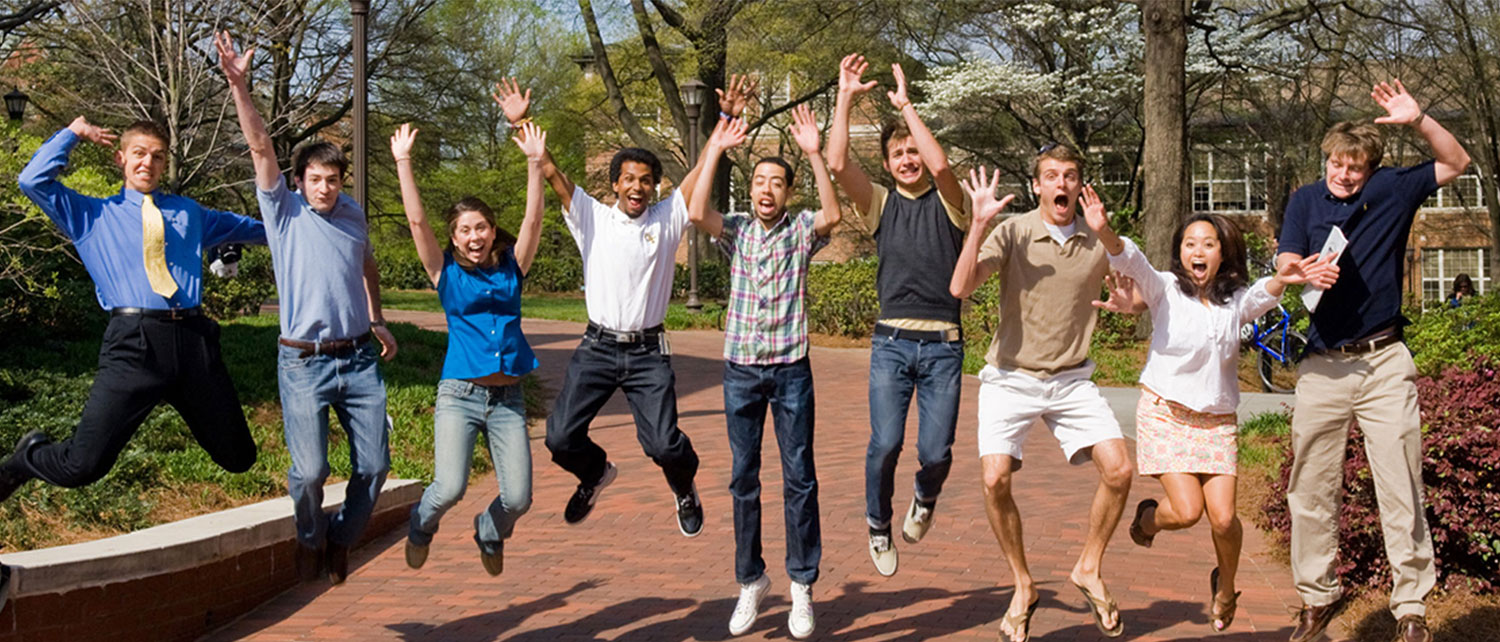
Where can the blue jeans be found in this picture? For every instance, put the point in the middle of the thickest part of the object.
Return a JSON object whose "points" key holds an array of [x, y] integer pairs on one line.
{"points": [[788, 389], [464, 411], [350, 384], [897, 367]]}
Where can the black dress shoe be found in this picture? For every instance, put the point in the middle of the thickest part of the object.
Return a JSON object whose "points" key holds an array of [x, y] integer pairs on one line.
{"points": [[14, 471], [309, 563], [338, 563]]}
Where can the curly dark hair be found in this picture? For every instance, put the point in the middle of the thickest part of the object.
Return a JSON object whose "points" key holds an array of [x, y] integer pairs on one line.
{"points": [[636, 155], [1233, 272]]}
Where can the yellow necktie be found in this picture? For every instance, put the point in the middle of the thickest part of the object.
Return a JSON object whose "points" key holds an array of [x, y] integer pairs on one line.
{"points": [[155, 249]]}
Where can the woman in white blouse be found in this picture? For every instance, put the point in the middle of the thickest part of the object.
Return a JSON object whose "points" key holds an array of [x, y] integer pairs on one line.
{"points": [[1185, 422]]}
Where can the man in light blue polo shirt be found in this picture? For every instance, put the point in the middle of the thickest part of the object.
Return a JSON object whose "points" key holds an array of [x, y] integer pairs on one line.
{"points": [[329, 293]]}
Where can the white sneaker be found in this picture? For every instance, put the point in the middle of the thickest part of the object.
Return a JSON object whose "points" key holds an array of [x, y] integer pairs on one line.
{"points": [[883, 551], [801, 621], [918, 520], [748, 607]]}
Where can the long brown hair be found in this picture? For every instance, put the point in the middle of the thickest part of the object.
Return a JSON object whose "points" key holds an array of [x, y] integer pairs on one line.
{"points": [[503, 239], [1233, 272]]}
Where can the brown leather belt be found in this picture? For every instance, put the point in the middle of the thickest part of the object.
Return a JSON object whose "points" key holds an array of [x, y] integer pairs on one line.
{"points": [[934, 336], [336, 347], [1368, 344]]}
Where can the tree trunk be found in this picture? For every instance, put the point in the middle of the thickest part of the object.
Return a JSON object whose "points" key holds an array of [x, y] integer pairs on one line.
{"points": [[1166, 201]]}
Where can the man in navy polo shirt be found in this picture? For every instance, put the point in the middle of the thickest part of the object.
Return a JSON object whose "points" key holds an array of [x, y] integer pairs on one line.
{"points": [[1356, 366]]}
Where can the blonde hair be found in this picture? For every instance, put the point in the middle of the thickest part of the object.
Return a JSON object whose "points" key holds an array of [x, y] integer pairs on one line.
{"points": [[1057, 152], [1355, 140]]}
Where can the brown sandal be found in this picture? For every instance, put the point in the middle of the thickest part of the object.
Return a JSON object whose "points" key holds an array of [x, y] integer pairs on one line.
{"points": [[1100, 606], [1137, 532], [1214, 614], [1019, 622]]}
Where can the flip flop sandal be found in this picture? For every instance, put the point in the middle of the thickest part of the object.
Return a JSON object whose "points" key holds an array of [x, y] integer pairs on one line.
{"points": [[1214, 615], [1137, 532], [1098, 607], [1019, 622]]}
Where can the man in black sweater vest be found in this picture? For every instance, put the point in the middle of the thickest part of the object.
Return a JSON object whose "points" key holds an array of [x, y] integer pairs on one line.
{"points": [[917, 344]]}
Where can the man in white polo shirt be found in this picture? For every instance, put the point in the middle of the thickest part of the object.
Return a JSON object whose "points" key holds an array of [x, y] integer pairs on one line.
{"points": [[629, 251]]}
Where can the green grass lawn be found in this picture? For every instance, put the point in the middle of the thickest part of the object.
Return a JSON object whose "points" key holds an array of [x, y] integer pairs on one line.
{"points": [[163, 475], [562, 307]]}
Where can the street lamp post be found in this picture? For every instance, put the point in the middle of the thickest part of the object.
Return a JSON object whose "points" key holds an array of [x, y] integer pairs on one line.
{"points": [[361, 12], [15, 104], [692, 98]]}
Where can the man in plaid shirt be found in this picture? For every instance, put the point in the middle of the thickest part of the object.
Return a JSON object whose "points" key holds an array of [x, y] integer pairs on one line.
{"points": [[765, 358]]}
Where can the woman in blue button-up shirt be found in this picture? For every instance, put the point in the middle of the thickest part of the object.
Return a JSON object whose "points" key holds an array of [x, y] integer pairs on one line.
{"points": [[478, 280]]}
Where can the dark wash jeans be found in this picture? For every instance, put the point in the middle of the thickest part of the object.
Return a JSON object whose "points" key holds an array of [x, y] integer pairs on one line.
{"points": [[934, 369], [788, 390], [599, 367]]}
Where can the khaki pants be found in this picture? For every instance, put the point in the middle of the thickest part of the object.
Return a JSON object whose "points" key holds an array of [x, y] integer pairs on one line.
{"points": [[1379, 389]]}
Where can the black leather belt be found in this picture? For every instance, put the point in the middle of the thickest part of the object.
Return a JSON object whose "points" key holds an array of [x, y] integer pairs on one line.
{"points": [[336, 347], [1361, 346], [944, 336], [596, 331], [170, 314]]}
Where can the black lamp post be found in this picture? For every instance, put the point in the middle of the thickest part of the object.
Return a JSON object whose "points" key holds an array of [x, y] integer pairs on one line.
{"points": [[693, 92], [361, 12], [15, 104]]}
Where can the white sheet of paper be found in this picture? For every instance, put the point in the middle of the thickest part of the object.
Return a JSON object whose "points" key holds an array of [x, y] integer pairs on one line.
{"points": [[1333, 246]]}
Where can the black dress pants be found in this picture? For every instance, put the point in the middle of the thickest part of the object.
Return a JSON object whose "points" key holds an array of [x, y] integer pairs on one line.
{"points": [[142, 362]]}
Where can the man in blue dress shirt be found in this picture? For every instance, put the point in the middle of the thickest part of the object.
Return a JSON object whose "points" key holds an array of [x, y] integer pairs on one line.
{"points": [[329, 294], [144, 250]]}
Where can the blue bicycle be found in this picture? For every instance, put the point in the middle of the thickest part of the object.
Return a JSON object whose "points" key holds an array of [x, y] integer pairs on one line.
{"points": [[1278, 346]]}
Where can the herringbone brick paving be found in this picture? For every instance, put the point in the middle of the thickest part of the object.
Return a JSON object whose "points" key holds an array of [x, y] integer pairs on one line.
{"points": [[627, 574]]}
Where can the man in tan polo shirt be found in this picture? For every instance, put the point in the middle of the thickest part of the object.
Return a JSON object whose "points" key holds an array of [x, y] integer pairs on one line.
{"points": [[1051, 269]]}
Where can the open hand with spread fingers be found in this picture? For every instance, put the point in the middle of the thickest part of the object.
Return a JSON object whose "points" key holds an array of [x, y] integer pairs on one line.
{"points": [[236, 66], [1400, 107], [85, 130], [727, 134], [981, 191], [513, 103], [805, 130], [402, 141], [1121, 291], [898, 98], [532, 141], [737, 94], [850, 71]]}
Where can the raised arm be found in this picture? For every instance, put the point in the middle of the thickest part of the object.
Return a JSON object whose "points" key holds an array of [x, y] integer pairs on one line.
{"points": [[848, 174], [533, 142], [71, 211], [805, 132], [736, 95], [968, 274], [928, 147], [1450, 159], [726, 135], [428, 248], [514, 104], [1098, 221], [236, 70]]}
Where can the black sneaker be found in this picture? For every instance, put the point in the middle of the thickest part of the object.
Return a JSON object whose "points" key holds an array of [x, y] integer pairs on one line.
{"points": [[690, 513], [309, 562], [583, 499], [14, 471], [338, 563], [492, 556]]}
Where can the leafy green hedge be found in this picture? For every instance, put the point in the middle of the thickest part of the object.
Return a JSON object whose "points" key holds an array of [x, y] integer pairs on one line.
{"points": [[1444, 336], [841, 298], [243, 294]]}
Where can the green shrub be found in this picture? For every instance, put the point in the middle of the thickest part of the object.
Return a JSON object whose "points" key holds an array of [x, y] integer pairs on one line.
{"points": [[399, 266], [1441, 337], [841, 297], [554, 274], [243, 294], [713, 281]]}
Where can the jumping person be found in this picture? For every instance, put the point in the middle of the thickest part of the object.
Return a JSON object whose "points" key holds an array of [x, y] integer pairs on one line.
{"points": [[143, 248], [628, 263], [328, 289], [918, 342], [765, 359], [1051, 269], [1186, 427], [478, 280], [1356, 366]]}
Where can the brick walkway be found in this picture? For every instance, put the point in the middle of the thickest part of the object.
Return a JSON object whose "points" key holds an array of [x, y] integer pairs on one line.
{"points": [[627, 574]]}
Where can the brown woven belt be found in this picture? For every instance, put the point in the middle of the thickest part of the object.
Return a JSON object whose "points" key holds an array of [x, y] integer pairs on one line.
{"points": [[336, 347]]}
